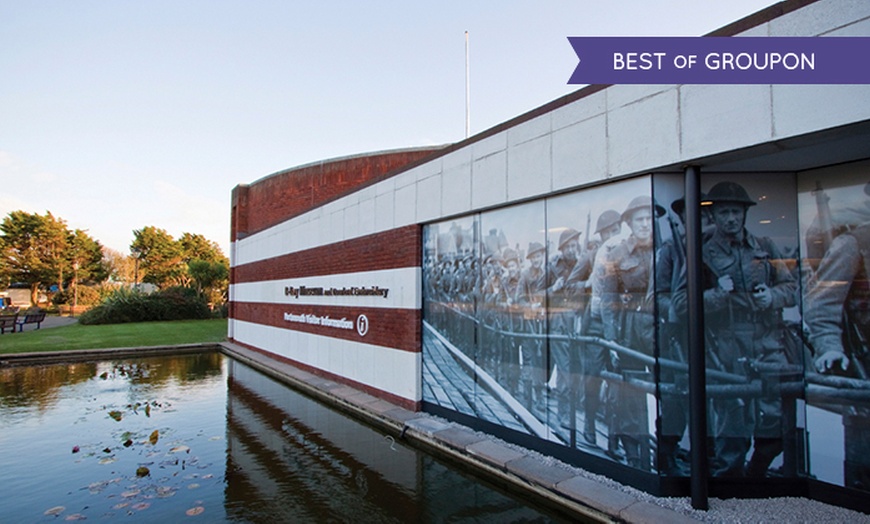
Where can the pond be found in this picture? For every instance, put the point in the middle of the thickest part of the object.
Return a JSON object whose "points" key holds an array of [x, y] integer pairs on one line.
{"points": [[206, 438]]}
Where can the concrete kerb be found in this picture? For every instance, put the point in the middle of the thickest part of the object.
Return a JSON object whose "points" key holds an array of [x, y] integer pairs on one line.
{"points": [[549, 481], [79, 355]]}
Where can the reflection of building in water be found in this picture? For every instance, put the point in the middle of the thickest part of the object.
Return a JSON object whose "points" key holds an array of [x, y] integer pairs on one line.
{"points": [[478, 326], [307, 463]]}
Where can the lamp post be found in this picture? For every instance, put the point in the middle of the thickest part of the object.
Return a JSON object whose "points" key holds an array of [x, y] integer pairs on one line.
{"points": [[75, 287]]}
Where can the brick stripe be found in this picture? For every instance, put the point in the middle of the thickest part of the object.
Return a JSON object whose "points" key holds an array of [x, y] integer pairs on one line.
{"points": [[391, 328], [290, 193], [396, 248]]}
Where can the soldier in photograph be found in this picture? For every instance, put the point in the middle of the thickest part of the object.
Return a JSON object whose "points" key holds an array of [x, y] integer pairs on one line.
{"points": [[594, 357], [747, 286], [490, 289], [670, 277], [627, 312], [837, 315], [571, 269], [532, 297], [510, 319]]}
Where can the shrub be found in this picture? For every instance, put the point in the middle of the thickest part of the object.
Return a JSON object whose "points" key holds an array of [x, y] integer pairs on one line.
{"points": [[87, 296], [125, 305]]}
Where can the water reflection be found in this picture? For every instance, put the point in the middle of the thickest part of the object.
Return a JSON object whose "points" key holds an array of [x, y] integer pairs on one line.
{"points": [[171, 437], [301, 461]]}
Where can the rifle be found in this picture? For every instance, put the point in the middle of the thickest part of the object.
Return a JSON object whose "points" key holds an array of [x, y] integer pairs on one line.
{"points": [[586, 233]]}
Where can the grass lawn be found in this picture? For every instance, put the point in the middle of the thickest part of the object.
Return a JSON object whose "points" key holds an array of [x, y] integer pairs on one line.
{"points": [[139, 334]]}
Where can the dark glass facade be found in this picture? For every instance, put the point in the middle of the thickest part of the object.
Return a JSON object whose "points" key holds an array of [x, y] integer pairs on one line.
{"points": [[563, 321]]}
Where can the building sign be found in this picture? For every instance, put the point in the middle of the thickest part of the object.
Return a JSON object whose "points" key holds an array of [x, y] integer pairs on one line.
{"points": [[352, 291], [361, 325]]}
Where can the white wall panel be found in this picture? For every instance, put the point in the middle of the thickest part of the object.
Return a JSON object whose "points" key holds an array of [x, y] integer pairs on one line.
{"points": [[580, 153], [593, 105], [456, 190], [530, 130], [718, 118], [489, 180], [429, 198], [800, 109], [393, 371], [529, 169], [403, 286], [644, 135], [820, 17]]}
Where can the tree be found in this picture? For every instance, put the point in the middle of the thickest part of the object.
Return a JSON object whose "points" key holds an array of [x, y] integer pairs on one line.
{"points": [[86, 258], [197, 247], [159, 257], [119, 267], [35, 249], [211, 279]]}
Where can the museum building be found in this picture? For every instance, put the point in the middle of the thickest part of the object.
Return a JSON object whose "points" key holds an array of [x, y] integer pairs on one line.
{"points": [[562, 279]]}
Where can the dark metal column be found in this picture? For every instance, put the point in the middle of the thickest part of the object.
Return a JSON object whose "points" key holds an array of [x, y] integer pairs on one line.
{"points": [[697, 359]]}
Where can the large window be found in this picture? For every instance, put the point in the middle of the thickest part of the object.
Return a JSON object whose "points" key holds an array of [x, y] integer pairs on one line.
{"points": [[565, 319]]}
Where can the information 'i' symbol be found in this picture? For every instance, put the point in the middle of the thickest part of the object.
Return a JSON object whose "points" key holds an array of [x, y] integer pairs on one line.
{"points": [[362, 325]]}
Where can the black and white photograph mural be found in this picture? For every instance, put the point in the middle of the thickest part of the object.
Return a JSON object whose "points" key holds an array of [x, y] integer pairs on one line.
{"points": [[752, 325], [564, 319], [546, 326], [834, 205]]}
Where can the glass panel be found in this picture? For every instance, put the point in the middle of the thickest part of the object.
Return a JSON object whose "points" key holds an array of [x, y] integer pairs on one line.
{"points": [[569, 227], [621, 311], [548, 328], [752, 324], [450, 281], [670, 276], [835, 230], [514, 251]]}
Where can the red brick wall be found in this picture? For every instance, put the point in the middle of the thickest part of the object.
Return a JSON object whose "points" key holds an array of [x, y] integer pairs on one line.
{"points": [[285, 195], [392, 249]]}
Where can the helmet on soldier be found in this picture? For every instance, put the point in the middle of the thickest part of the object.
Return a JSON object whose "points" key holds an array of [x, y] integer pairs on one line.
{"points": [[729, 192], [534, 247], [607, 219], [567, 236], [640, 202]]}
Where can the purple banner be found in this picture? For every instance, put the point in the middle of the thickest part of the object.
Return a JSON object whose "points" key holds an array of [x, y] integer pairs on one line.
{"points": [[721, 60]]}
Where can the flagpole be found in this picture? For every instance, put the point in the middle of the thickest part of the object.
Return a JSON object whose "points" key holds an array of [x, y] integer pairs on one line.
{"points": [[467, 92]]}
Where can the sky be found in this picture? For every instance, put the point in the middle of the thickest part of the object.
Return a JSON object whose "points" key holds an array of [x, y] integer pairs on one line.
{"points": [[116, 115]]}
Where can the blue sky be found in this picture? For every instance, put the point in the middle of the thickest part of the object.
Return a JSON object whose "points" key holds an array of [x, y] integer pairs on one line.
{"points": [[115, 115]]}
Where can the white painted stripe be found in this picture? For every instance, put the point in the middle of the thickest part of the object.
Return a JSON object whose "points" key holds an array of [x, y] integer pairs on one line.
{"points": [[390, 370], [403, 285]]}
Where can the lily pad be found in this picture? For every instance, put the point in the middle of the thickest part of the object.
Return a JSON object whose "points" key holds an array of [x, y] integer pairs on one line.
{"points": [[57, 510], [179, 449], [154, 437], [194, 511], [140, 506], [142, 471]]}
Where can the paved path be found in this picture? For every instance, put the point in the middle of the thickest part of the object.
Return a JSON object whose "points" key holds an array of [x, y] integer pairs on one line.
{"points": [[55, 321]]}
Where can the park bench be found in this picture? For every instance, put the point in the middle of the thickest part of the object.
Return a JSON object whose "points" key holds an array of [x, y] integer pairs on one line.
{"points": [[31, 318], [8, 322]]}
